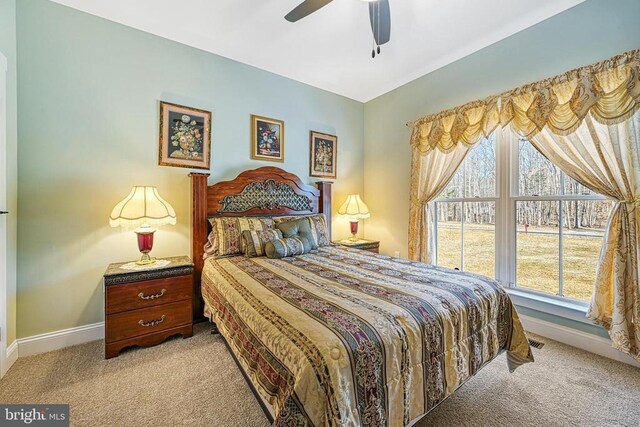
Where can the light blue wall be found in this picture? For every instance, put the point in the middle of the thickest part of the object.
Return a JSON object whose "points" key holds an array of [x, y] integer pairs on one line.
{"points": [[589, 32], [88, 121], [8, 49]]}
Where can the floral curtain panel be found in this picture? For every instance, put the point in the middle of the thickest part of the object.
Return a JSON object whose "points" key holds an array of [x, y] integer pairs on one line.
{"points": [[606, 159], [586, 122], [431, 174]]}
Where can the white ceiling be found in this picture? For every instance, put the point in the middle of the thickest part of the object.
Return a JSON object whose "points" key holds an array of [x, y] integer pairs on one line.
{"points": [[331, 49]]}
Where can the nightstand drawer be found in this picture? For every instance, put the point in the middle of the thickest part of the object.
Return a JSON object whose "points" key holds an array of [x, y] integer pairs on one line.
{"points": [[146, 294], [133, 323]]}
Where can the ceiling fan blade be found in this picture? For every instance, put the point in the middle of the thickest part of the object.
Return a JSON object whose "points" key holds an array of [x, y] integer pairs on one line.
{"points": [[305, 8], [380, 17]]}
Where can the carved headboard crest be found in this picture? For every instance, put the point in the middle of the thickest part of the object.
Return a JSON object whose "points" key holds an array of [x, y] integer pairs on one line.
{"points": [[267, 194]]}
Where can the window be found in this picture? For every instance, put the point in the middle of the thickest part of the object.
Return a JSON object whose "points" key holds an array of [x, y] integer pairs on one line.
{"points": [[559, 228], [466, 214], [550, 228]]}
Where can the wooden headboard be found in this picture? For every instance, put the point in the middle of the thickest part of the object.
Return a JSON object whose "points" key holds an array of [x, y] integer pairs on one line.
{"points": [[266, 191]]}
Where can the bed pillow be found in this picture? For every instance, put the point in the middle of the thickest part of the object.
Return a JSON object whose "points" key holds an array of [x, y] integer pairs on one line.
{"points": [[318, 226], [286, 247], [279, 219], [254, 241], [319, 229], [226, 234], [211, 245], [299, 228]]}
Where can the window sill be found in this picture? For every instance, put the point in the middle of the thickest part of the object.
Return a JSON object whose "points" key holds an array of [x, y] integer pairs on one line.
{"points": [[562, 308]]}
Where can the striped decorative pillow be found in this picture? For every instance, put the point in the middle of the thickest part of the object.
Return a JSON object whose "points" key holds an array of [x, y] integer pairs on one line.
{"points": [[319, 229], [289, 246], [226, 234], [254, 241], [211, 246]]}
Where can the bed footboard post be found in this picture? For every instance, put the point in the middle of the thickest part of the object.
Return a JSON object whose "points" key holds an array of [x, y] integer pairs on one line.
{"points": [[199, 231], [325, 202]]}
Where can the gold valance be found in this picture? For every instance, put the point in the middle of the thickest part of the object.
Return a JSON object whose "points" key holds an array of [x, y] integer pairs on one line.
{"points": [[609, 90]]}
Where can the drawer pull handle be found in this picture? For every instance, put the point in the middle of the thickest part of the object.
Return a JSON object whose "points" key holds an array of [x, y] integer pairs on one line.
{"points": [[151, 297], [151, 322]]}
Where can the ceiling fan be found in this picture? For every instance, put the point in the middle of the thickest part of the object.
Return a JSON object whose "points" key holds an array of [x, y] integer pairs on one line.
{"points": [[379, 17]]}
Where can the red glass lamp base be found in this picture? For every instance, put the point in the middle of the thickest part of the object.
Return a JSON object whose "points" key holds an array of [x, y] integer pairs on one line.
{"points": [[354, 230], [145, 244]]}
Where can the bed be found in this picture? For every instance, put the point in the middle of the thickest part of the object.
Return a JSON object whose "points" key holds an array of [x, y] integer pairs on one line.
{"points": [[341, 336]]}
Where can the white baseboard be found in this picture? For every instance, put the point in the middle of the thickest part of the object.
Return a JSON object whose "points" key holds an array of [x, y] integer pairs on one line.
{"points": [[12, 354], [10, 358], [60, 339], [588, 342]]}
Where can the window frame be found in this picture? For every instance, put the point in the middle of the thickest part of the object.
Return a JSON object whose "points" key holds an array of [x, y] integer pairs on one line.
{"points": [[506, 199], [495, 199]]}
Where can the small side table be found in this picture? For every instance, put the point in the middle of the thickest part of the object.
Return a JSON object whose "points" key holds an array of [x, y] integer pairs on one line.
{"points": [[146, 306], [365, 245]]}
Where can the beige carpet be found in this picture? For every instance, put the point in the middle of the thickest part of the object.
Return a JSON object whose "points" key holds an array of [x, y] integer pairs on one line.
{"points": [[195, 382]]}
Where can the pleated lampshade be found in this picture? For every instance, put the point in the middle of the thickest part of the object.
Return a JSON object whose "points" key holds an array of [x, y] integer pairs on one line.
{"points": [[354, 207], [143, 206]]}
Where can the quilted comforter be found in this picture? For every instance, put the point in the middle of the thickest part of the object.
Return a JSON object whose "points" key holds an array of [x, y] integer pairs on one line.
{"points": [[346, 337]]}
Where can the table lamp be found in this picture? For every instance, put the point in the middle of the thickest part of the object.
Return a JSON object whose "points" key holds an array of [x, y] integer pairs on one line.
{"points": [[356, 210], [140, 210]]}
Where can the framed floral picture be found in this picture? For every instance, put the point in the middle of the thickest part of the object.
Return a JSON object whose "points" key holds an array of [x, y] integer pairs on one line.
{"points": [[185, 136], [267, 139], [324, 155]]}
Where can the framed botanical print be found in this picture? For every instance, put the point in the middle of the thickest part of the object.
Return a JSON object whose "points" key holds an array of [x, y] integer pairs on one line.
{"points": [[324, 155], [267, 139], [185, 136]]}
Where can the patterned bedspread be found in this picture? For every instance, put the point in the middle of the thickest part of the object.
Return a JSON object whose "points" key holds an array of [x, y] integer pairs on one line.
{"points": [[347, 337]]}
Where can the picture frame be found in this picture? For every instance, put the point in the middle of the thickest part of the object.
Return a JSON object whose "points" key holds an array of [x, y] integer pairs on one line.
{"points": [[185, 136], [323, 155], [267, 139]]}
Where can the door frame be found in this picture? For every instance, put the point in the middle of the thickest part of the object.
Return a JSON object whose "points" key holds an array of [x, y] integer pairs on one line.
{"points": [[3, 239]]}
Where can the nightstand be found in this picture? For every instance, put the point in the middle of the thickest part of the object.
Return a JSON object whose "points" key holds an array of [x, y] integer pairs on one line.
{"points": [[144, 307], [366, 245]]}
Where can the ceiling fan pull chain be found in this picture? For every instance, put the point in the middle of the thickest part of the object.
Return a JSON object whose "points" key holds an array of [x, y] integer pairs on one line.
{"points": [[373, 49], [378, 27]]}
